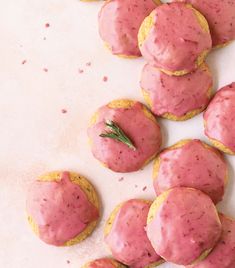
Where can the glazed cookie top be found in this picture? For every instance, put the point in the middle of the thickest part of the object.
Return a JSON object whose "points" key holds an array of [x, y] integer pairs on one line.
{"points": [[220, 117], [223, 255], [119, 22], [176, 95], [220, 16], [175, 38], [104, 263], [191, 163], [137, 123], [126, 237], [183, 225], [59, 206]]}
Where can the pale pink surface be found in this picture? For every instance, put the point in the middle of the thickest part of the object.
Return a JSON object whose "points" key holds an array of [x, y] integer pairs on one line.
{"points": [[176, 39], [102, 263], [220, 117], [143, 132], [192, 165], [119, 23], [177, 95], [60, 209], [223, 255], [185, 225], [220, 16], [127, 239]]}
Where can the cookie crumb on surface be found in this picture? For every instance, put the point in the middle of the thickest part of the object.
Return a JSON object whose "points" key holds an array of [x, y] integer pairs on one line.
{"points": [[45, 70], [64, 111], [144, 188], [47, 25], [105, 79], [23, 62], [80, 71]]}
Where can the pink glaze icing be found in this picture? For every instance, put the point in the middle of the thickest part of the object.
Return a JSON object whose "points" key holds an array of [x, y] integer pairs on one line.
{"points": [[176, 39], [192, 165], [102, 263], [220, 117], [60, 209], [144, 133], [119, 23], [127, 239], [223, 255], [177, 95], [220, 15], [185, 225]]}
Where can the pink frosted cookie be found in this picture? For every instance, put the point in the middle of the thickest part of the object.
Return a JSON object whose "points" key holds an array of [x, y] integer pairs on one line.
{"points": [[176, 97], [119, 23], [219, 119], [103, 263], [124, 135], [183, 225], [62, 208], [126, 237], [220, 16], [175, 38], [191, 163], [223, 255]]}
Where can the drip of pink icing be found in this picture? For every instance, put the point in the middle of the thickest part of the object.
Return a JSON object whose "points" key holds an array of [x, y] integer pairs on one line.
{"points": [[60, 209], [119, 23], [127, 239], [220, 117], [144, 133], [185, 225], [102, 263], [223, 255], [220, 16], [176, 94], [192, 165], [176, 39]]}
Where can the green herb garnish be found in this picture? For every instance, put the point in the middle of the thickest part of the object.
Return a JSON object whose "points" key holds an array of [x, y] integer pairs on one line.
{"points": [[117, 134]]}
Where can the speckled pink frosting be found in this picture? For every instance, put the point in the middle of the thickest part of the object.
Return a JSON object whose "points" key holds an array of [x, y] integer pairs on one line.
{"points": [[177, 95], [119, 23], [185, 225], [127, 239], [220, 117], [220, 15], [144, 133], [176, 39], [102, 263], [192, 165], [60, 209], [223, 255]]}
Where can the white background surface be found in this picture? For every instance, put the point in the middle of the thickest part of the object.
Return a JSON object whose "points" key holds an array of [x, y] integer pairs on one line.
{"points": [[35, 137]]}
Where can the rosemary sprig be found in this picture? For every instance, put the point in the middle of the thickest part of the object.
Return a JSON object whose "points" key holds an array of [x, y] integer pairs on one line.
{"points": [[117, 134]]}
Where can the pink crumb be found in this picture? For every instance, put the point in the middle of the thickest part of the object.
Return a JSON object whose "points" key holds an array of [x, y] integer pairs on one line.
{"points": [[63, 111], [88, 64], [105, 79], [23, 62], [80, 71], [121, 179], [45, 70], [136, 185], [47, 25], [44, 38], [144, 188], [68, 261]]}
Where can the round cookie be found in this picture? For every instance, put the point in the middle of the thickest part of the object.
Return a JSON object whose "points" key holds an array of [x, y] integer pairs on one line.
{"points": [[138, 125], [175, 38], [194, 164], [223, 255], [126, 237], [119, 22], [220, 16], [219, 119], [103, 263], [176, 97], [62, 208], [183, 225]]}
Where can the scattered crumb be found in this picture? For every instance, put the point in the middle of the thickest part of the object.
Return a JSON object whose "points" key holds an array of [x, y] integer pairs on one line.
{"points": [[47, 25], [23, 62], [105, 79], [63, 111], [68, 261], [88, 64], [136, 185], [45, 70], [44, 38], [144, 188], [121, 179], [80, 71]]}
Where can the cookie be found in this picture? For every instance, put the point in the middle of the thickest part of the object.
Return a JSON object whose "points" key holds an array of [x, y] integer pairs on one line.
{"points": [[62, 208], [119, 22], [175, 38], [124, 135], [176, 97], [126, 237], [183, 225], [103, 263], [219, 119], [194, 164]]}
